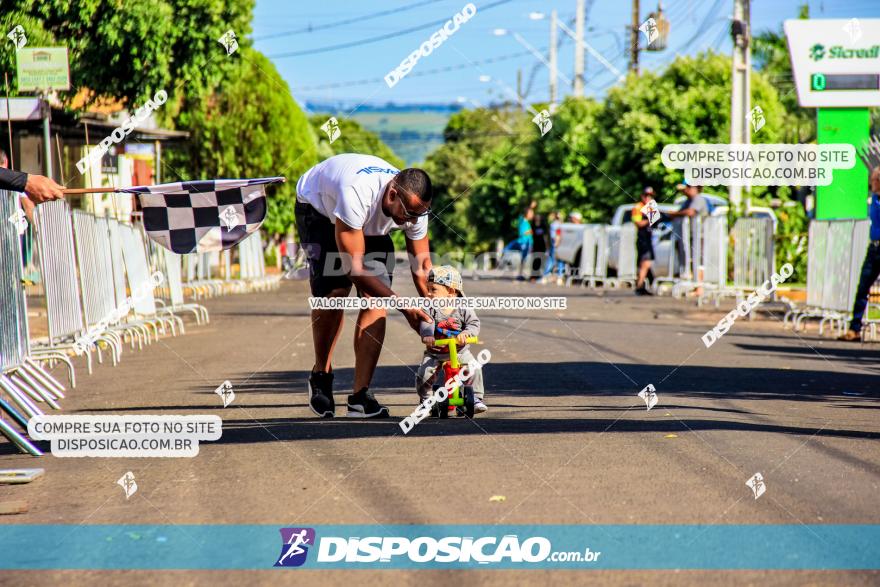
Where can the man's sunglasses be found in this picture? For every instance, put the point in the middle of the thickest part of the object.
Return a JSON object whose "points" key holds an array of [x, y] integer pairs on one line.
{"points": [[406, 211]]}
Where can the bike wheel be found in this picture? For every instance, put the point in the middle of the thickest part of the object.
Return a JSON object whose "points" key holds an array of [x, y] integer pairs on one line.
{"points": [[469, 401]]}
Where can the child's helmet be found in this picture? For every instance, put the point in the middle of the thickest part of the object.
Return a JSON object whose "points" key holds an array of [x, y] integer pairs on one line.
{"points": [[447, 275]]}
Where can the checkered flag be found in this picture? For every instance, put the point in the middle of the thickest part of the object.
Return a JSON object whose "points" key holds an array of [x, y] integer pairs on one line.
{"points": [[203, 216]]}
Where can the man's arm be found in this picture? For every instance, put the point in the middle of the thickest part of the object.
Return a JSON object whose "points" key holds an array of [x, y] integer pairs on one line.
{"points": [[38, 188], [350, 242], [12, 180], [419, 263]]}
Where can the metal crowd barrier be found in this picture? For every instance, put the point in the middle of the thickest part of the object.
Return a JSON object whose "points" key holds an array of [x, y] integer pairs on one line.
{"points": [[22, 381], [627, 256], [710, 263], [60, 285], [835, 253], [138, 271], [679, 274], [754, 260], [170, 267]]}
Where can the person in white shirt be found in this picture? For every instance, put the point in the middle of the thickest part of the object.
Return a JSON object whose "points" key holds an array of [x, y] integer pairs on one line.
{"points": [[346, 206]]}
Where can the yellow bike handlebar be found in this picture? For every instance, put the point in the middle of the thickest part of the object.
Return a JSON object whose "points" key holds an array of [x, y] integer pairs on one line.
{"points": [[452, 341]]}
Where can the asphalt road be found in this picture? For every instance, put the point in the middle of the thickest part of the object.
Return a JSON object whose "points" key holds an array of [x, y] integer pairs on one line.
{"points": [[566, 439]]}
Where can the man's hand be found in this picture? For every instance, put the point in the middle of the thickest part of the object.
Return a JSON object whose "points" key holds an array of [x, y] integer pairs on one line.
{"points": [[428, 340], [415, 317], [40, 188]]}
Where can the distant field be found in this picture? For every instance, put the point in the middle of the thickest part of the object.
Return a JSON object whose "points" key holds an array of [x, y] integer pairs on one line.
{"points": [[412, 135]]}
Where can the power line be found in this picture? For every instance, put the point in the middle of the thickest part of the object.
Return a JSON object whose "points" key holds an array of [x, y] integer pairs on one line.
{"points": [[426, 72], [380, 37], [338, 23]]}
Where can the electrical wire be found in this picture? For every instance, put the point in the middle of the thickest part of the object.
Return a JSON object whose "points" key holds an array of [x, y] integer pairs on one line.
{"points": [[369, 40]]}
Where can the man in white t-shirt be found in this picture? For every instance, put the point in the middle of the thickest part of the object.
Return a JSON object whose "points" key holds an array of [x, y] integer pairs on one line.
{"points": [[346, 206]]}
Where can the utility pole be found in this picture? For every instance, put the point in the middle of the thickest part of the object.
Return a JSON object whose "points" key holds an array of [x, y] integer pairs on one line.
{"points": [[519, 89], [553, 58], [740, 98], [634, 38], [579, 51]]}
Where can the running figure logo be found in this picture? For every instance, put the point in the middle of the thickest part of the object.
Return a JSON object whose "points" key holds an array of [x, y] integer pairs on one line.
{"points": [[230, 218], [128, 484], [756, 117], [756, 484], [331, 127], [652, 212], [17, 36], [229, 42], [543, 121], [649, 27], [225, 391], [294, 547], [19, 220], [649, 395]]}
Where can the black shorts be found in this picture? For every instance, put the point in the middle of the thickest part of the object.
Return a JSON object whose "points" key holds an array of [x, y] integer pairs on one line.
{"points": [[644, 248], [317, 237]]}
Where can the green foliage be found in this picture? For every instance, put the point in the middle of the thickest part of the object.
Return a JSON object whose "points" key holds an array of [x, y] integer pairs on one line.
{"points": [[791, 240], [234, 135], [129, 50], [353, 139], [597, 156], [472, 137]]}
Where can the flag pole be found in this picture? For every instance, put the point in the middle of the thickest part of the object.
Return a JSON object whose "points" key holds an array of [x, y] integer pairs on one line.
{"points": [[74, 191], [8, 120]]}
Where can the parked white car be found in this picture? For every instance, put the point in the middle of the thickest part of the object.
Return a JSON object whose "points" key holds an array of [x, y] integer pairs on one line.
{"points": [[569, 249]]}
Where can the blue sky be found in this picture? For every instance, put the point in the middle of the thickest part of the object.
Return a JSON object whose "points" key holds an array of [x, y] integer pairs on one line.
{"points": [[695, 25]]}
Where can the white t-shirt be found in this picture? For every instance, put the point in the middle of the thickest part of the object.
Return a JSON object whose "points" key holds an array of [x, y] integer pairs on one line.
{"points": [[350, 187]]}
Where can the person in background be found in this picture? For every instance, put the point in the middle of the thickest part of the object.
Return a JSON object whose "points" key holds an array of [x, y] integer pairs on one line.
{"points": [[644, 246], [575, 217], [524, 238], [871, 264], [38, 188], [555, 239], [540, 243], [694, 205]]}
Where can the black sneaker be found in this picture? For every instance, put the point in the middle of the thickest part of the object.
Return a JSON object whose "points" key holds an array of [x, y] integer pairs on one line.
{"points": [[642, 291], [363, 405], [321, 394]]}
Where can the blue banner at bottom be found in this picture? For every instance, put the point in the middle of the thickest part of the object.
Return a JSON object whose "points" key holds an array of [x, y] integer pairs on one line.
{"points": [[793, 547]]}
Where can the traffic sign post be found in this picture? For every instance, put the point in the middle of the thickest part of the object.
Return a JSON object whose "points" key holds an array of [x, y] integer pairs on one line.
{"points": [[836, 67]]}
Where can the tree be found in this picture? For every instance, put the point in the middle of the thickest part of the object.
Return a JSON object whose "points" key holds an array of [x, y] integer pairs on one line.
{"points": [[353, 138], [129, 50], [235, 135]]}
